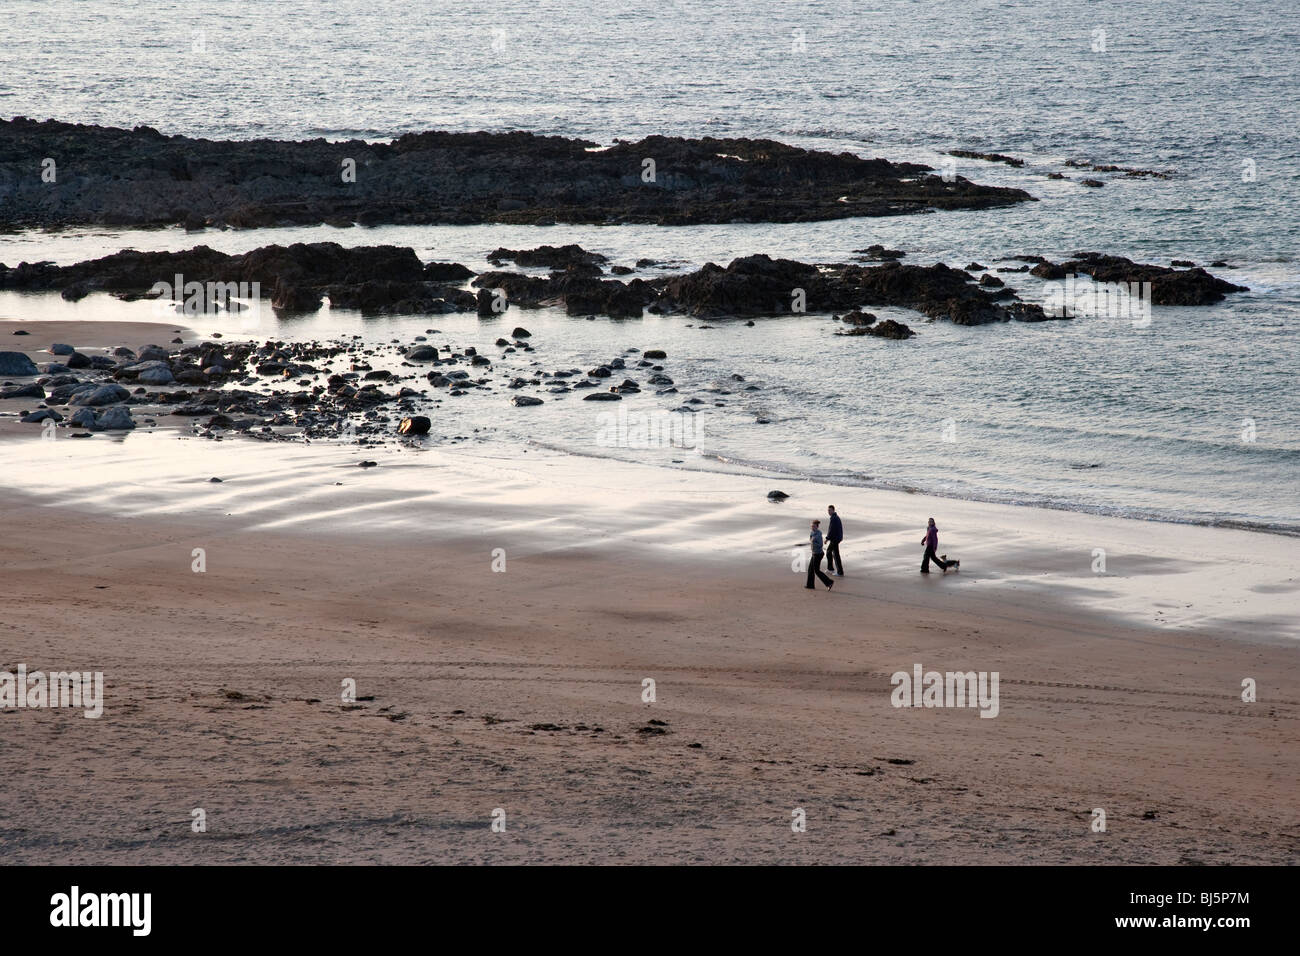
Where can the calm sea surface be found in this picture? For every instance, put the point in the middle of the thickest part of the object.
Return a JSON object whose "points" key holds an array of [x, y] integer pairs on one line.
{"points": [[1191, 418]]}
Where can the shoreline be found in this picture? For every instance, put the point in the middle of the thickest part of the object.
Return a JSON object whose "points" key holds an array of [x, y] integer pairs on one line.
{"points": [[104, 333], [1186, 578]]}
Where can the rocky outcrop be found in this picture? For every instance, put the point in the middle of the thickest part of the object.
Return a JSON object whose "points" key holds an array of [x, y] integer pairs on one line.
{"points": [[557, 258], [986, 157], [760, 285], [1169, 286], [378, 279], [117, 177]]}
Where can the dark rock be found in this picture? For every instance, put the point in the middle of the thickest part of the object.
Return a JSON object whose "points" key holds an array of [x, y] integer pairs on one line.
{"points": [[98, 395], [986, 157], [889, 329], [1169, 286], [114, 419], [777, 496], [655, 354], [447, 272], [859, 318], [521, 333], [415, 425], [602, 397], [551, 257], [291, 296], [525, 400], [879, 253], [1047, 270], [139, 177], [23, 391]]}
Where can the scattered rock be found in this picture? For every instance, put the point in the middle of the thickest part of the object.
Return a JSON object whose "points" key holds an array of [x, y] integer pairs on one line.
{"points": [[16, 363], [986, 157], [415, 425]]}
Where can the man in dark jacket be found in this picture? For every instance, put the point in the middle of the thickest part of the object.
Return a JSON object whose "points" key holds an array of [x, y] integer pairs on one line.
{"points": [[834, 535]]}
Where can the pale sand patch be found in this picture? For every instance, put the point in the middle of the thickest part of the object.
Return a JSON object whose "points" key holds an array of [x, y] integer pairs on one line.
{"points": [[87, 334], [616, 573], [88, 337]]}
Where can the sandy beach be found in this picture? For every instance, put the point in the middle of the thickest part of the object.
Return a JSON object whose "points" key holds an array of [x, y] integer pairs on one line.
{"points": [[499, 614]]}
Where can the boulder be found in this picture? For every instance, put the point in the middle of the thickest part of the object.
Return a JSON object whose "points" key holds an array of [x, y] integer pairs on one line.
{"points": [[114, 419], [889, 329], [525, 400], [83, 418], [447, 272], [415, 425], [157, 375], [16, 363], [98, 395]]}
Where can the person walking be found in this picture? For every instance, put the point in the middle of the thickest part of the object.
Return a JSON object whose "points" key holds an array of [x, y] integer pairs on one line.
{"points": [[931, 542], [834, 535], [815, 562]]}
